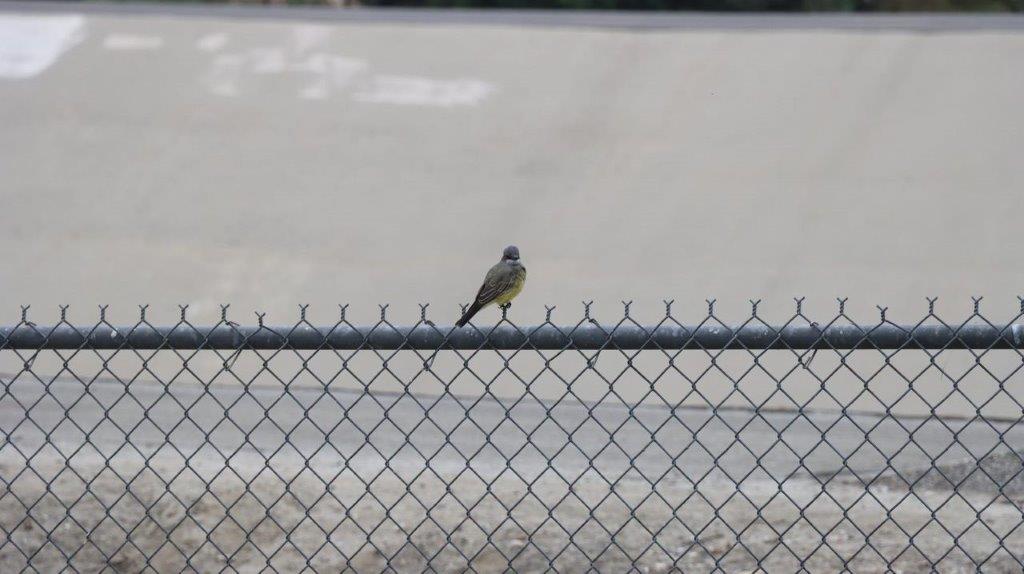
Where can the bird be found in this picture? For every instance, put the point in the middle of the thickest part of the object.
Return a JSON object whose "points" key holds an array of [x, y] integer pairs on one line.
{"points": [[503, 282]]}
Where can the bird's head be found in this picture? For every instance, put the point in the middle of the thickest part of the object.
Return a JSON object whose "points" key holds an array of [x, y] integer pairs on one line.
{"points": [[511, 253]]}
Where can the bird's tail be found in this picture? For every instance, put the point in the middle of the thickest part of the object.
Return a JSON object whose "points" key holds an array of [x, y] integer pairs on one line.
{"points": [[473, 309]]}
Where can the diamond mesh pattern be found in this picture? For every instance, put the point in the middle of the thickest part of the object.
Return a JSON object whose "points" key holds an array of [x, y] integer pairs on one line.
{"points": [[871, 458]]}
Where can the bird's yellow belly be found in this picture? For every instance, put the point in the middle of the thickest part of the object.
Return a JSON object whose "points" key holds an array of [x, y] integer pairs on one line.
{"points": [[514, 290]]}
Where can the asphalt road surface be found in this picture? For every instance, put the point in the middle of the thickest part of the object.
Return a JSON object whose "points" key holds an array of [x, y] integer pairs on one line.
{"points": [[368, 432], [267, 158], [628, 20]]}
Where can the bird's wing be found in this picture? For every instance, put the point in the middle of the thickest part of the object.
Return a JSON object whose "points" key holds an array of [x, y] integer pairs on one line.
{"points": [[498, 280]]}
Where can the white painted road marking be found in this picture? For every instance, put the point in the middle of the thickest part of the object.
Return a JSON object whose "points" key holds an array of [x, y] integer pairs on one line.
{"points": [[305, 58], [323, 73], [132, 42], [417, 91], [30, 44]]}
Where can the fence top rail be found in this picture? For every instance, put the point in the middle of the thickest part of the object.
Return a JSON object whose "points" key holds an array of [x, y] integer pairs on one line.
{"points": [[505, 336]]}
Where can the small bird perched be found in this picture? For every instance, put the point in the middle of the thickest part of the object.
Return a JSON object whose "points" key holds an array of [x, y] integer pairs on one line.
{"points": [[503, 282]]}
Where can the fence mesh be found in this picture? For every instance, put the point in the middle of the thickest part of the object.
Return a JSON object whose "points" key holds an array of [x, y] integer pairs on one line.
{"points": [[490, 455]]}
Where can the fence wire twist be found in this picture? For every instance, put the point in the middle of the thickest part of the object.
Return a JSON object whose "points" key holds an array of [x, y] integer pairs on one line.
{"points": [[806, 446]]}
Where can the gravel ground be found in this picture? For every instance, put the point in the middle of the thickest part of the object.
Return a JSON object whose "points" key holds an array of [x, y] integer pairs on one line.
{"points": [[169, 518], [119, 480]]}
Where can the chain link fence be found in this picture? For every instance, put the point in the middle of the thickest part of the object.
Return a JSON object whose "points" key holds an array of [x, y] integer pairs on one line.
{"points": [[813, 446]]}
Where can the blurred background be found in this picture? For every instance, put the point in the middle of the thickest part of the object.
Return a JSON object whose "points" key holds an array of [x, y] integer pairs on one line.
{"points": [[202, 154], [735, 5]]}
